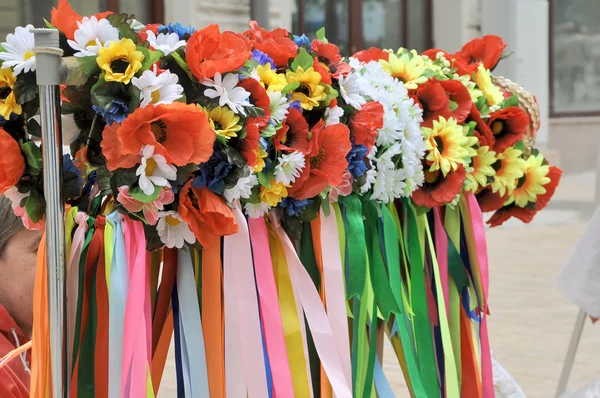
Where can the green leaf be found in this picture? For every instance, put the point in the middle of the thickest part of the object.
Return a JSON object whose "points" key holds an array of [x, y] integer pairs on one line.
{"points": [[264, 180], [251, 64], [49, 24], [150, 57], [520, 146], [122, 177], [234, 156], [120, 21], [290, 87], [321, 35], [453, 105], [429, 73], [33, 154], [270, 131], [88, 65], [331, 94], [35, 205], [184, 173], [254, 111], [103, 181], [25, 88], [137, 194], [134, 95], [512, 101], [182, 64], [34, 128], [303, 60], [136, 25]]}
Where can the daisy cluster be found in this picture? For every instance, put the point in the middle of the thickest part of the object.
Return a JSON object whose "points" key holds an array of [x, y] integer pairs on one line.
{"points": [[178, 126]]}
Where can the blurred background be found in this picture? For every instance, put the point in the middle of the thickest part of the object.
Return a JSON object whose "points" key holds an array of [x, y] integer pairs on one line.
{"points": [[556, 56]]}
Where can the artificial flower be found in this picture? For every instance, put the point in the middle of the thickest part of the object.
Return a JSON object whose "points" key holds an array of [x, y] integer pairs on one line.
{"points": [[184, 32], [327, 166], [356, 163], [12, 163], [65, 19], [143, 33], [260, 155], [278, 106], [111, 150], [210, 52], [333, 115], [508, 126], [158, 89], [482, 130], [173, 231], [8, 101], [486, 50], [165, 42], [259, 99], [242, 189], [554, 174], [120, 61], [531, 184], [492, 93], [72, 177], [223, 121], [18, 51], [273, 194], [389, 181], [91, 35], [489, 200], [213, 173], [481, 168], [179, 132], [206, 214], [149, 210], [447, 145], [154, 171], [408, 67], [509, 169], [276, 43], [294, 207], [293, 134], [310, 93], [303, 41], [365, 124], [250, 145], [256, 210], [289, 167], [226, 90], [343, 189], [262, 58], [350, 91], [432, 98], [270, 79], [438, 190], [16, 199], [372, 54], [116, 112], [328, 55]]}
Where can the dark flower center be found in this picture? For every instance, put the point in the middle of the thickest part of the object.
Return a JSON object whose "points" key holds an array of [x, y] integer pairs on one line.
{"points": [[119, 65], [497, 165], [5, 92], [439, 143], [159, 129], [218, 125], [304, 90], [521, 181], [315, 161]]}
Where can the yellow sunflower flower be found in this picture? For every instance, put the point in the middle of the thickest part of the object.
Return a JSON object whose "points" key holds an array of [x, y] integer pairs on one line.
{"points": [[8, 102], [311, 92], [272, 196], [406, 68], [120, 61], [509, 168], [447, 145], [223, 121], [481, 166], [532, 183], [261, 154], [270, 79], [492, 93]]}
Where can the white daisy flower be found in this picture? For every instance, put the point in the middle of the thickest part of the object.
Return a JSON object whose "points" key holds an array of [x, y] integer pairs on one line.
{"points": [[92, 35], [173, 231], [154, 171], [279, 106], [350, 90], [236, 98], [161, 89], [333, 115], [19, 51], [256, 210], [289, 167], [165, 42], [242, 189]]}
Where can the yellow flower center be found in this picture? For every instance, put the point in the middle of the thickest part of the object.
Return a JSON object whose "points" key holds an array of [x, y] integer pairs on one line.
{"points": [[155, 97], [90, 43], [431, 176], [172, 221], [151, 166], [28, 55]]}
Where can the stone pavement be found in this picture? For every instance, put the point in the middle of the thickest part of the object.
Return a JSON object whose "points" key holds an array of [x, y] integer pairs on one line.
{"points": [[531, 321]]}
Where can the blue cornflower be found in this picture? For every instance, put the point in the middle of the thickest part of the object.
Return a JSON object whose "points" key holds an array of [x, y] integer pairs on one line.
{"points": [[117, 112], [296, 104], [213, 173], [303, 40], [184, 32], [293, 206], [73, 178], [262, 58], [356, 164]]}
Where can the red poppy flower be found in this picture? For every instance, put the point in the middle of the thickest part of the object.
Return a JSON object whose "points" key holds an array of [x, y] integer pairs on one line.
{"points": [[276, 43], [209, 51], [461, 67], [258, 98], [482, 130], [366, 123], [180, 132], [250, 144], [438, 190], [111, 150], [487, 50], [313, 142], [489, 200], [372, 54], [322, 70], [143, 33], [206, 214], [554, 174], [329, 164], [65, 19], [12, 162], [460, 98], [328, 55], [432, 98], [509, 126], [293, 134]]}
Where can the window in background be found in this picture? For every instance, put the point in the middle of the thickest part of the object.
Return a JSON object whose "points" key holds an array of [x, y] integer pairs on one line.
{"points": [[575, 56]]}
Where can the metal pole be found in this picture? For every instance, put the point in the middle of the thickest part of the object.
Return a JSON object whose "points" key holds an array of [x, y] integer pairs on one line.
{"points": [[259, 12], [48, 79], [570, 358]]}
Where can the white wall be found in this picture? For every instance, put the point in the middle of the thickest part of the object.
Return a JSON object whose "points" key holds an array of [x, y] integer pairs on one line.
{"points": [[455, 22]]}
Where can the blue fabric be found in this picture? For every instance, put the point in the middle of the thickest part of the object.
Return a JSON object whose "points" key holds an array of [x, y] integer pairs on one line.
{"points": [[384, 390]]}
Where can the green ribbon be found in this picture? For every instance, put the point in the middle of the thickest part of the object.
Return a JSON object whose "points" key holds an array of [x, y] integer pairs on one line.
{"points": [[355, 243]]}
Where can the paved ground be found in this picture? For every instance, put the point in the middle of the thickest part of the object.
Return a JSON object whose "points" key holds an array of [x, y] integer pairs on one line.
{"points": [[531, 321]]}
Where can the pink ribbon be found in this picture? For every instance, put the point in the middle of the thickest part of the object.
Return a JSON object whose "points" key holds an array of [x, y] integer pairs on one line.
{"points": [[239, 272], [441, 248], [269, 309], [317, 319]]}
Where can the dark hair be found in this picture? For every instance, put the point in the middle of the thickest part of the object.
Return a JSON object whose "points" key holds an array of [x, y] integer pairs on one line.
{"points": [[10, 224]]}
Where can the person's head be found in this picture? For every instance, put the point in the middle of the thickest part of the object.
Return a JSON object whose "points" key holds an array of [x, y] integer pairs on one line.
{"points": [[18, 251]]}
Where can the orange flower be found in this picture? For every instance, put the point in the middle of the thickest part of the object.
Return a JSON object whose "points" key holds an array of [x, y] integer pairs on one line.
{"points": [[293, 135], [65, 19], [487, 50], [366, 123], [111, 149], [206, 214], [250, 144], [327, 167], [180, 132], [276, 43], [208, 51], [258, 98], [509, 126], [12, 163], [372, 54], [438, 190]]}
